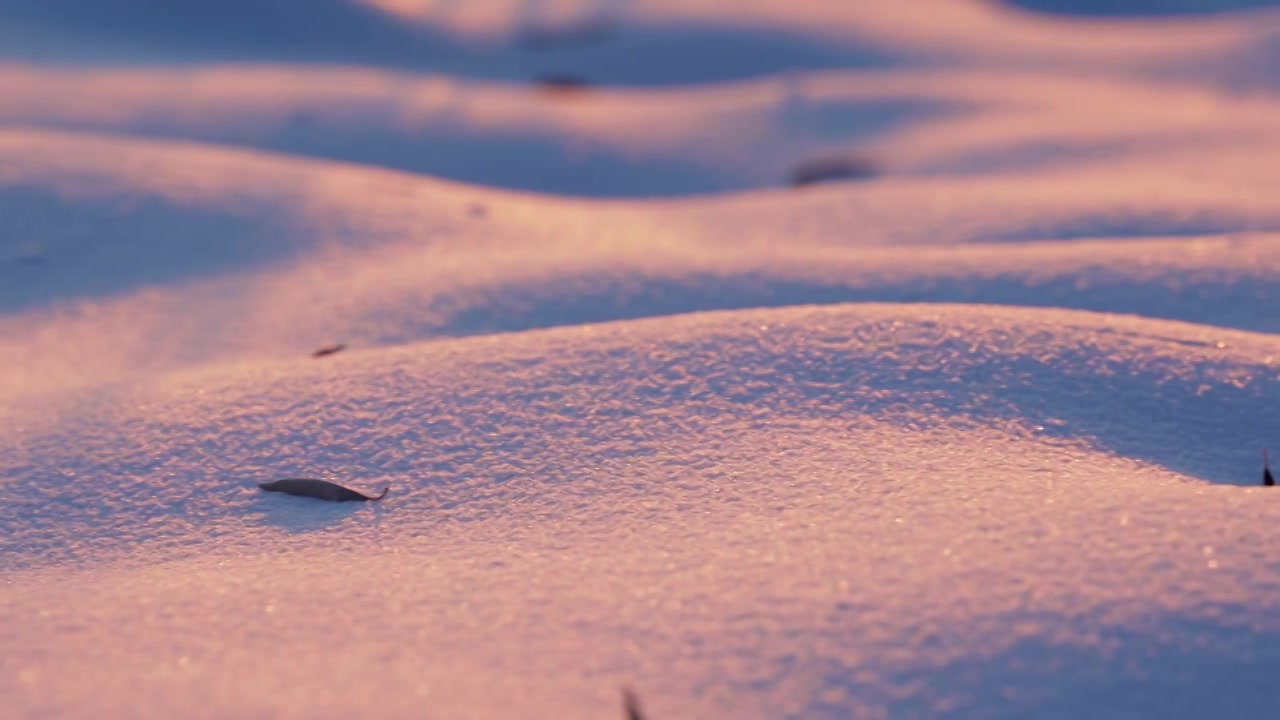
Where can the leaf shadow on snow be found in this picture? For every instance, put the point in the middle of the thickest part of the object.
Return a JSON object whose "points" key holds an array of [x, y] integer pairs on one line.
{"points": [[301, 515]]}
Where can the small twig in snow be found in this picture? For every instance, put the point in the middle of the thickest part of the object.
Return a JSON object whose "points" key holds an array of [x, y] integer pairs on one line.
{"points": [[631, 705]]}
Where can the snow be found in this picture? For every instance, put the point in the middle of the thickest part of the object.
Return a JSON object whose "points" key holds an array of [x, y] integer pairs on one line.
{"points": [[974, 436]]}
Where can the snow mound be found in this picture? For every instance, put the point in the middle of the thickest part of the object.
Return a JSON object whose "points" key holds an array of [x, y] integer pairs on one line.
{"points": [[186, 255], [874, 483]]}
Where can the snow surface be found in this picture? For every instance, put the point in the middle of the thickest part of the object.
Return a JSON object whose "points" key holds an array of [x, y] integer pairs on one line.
{"points": [[974, 435]]}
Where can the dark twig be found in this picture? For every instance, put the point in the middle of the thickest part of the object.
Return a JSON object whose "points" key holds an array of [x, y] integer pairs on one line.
{"points": [[631, 705], [833, 168], [319, 489], [562, 85]]}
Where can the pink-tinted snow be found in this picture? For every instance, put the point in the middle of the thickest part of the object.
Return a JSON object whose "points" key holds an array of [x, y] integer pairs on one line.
{"points": [[973, 433]]}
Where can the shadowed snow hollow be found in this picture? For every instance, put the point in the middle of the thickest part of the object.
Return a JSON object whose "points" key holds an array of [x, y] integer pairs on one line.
{"points": [[189, 255]]}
